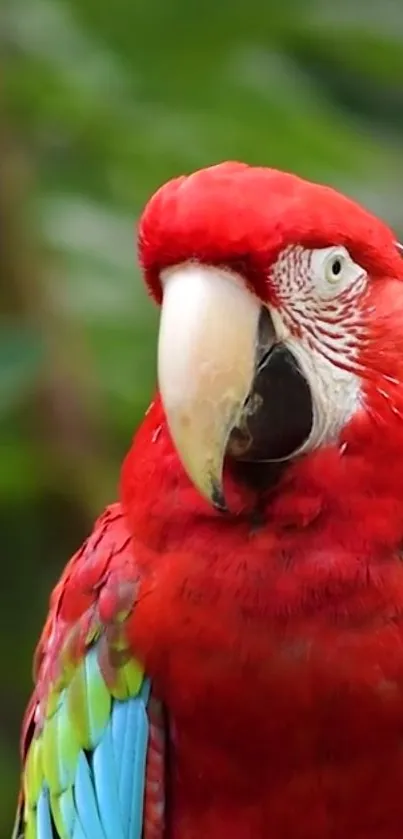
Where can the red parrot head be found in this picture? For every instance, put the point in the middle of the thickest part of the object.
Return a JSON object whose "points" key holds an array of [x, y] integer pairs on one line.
{"points": [[282, 318]]}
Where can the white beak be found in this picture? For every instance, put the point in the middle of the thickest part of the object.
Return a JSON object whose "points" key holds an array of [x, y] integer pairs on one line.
{"points": [[206, 364]]}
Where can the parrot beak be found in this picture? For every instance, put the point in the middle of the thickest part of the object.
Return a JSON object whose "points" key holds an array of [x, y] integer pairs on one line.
{"points": [[220, 368]]}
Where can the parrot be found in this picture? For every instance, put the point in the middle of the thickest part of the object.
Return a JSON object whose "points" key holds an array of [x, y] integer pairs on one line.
{"points": [[223, 656]]}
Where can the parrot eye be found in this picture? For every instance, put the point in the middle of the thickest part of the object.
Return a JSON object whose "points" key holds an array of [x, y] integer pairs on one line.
{"points": [[334, 270], [335, 267]]}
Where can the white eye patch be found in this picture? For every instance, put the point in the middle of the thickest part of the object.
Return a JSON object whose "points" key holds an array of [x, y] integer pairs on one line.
{"points": [[333, 271]]}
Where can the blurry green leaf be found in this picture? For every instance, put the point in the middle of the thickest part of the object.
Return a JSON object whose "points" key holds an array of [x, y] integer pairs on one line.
{"points": [[22, 474], [21, 354], [9, 771]]}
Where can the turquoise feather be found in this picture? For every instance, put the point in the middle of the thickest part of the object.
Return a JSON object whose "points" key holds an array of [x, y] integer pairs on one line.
{"points": [[43, 819], [85, 775], [105, 772], [86, 803], [67, 810], [139, 729]]}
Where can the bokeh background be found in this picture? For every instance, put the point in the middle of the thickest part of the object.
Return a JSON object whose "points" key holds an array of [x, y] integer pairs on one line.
{"points": [[101, 102]]}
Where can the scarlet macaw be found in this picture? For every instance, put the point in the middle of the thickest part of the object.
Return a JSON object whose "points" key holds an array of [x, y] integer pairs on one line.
{"points": [[224, 655]]}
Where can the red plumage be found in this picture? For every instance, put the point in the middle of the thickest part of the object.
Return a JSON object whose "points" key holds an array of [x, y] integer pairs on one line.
{"points": [[274, 636], [279, 649], [243, 216]]}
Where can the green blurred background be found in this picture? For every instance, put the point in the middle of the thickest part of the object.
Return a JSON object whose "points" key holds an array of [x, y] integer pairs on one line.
{"points": [[100, 103]]}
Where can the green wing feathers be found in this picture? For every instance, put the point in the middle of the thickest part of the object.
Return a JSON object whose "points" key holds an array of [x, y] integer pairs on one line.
{"points": [[85, 767]]}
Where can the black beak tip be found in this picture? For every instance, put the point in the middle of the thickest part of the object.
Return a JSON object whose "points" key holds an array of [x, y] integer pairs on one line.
{"points": [[217, 497]]}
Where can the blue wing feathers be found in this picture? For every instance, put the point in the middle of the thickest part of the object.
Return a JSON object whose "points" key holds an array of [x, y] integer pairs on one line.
{"points": [[145, 691], [105, 774], [125, 750], [119, 740], [106, 800], [85, 800], [78, 832], [43, 819], [68, 811], [140, 732]]}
